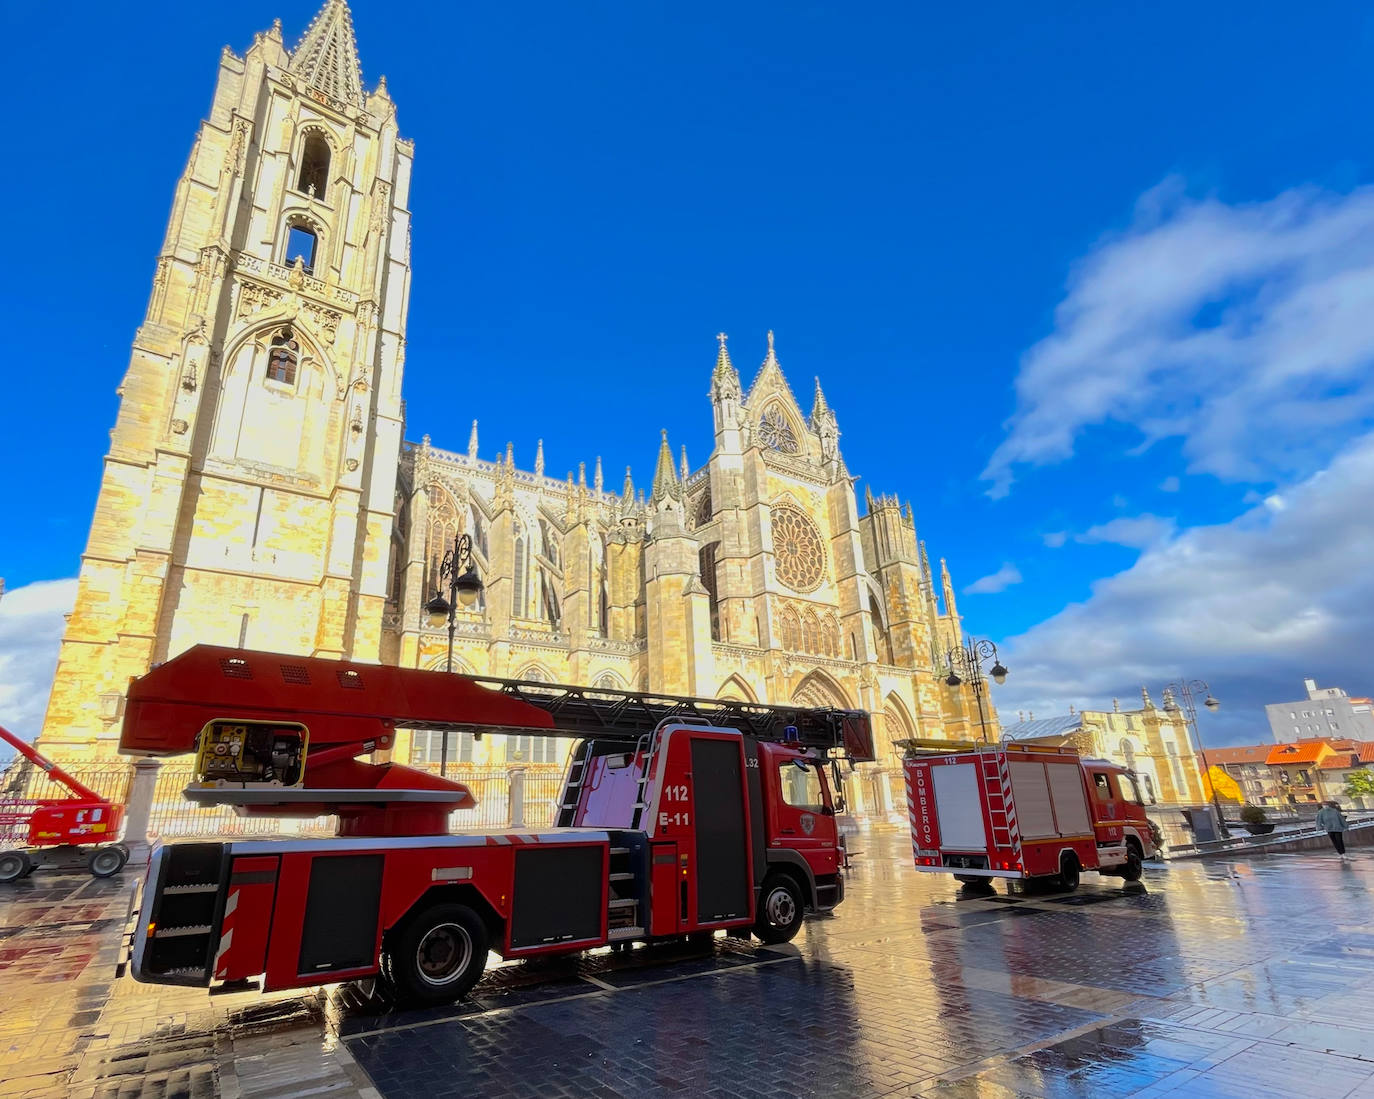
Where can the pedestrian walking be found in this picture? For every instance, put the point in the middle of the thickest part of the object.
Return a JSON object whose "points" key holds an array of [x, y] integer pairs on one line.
{"points": [[1332, 820]]}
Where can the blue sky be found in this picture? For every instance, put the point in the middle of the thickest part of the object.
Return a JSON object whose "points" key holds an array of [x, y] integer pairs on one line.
{"points": [[1091, 290]]}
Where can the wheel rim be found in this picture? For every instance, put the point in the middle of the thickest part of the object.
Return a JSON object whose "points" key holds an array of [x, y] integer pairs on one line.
{"points": [[105, 862], [11, 866], [781, 908], [443, 954]]}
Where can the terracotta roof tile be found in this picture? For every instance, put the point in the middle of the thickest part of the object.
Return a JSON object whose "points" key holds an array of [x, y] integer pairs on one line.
{"points": [[1304, 751]]}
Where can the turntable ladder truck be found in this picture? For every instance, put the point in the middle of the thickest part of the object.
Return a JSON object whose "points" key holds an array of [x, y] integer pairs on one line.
{"points": [[677, 817]]}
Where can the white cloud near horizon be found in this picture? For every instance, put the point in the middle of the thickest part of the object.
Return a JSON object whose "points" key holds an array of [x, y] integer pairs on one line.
{"points": [[1243, 329], [1000, 580], [32, 619], [1251, 606]]}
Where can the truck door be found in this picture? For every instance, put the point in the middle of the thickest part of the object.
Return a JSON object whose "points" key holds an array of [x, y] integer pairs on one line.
{"points": [[723, 879], [805, 819], [1109, 807]]}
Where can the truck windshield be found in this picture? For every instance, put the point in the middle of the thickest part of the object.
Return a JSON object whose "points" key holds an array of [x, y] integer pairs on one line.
{"points": [[800, 789]]}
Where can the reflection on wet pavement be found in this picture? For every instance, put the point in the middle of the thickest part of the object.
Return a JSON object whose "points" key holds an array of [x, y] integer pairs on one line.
{"points": [[1222, 978]]}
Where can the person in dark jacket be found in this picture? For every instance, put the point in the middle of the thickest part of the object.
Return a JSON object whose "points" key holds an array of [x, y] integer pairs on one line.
{"points": [[1332, 820]]}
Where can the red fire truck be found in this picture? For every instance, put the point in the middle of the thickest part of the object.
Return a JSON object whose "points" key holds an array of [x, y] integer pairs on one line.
{"points": [[677, 817], [1020, 812]]}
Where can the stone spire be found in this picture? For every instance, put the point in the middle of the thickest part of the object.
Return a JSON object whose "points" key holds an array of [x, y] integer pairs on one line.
{"points": [[627, 493], [539, 459], [1145, 698], [819, 407], [724, 378], [598, 481], [472, 441], [684, 467], [666, 484], [327, 55], [947, 587]]}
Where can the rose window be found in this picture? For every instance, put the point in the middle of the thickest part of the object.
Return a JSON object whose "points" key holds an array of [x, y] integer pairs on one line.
{"points": [[797, 545]]}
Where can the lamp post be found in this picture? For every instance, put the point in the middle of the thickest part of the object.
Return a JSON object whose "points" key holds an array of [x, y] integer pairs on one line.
{"points": [[970, 658], [1185, 689], [464, 586]]}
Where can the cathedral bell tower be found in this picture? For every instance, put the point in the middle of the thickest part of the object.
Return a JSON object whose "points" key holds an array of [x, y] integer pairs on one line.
{"points": [[247, 496]]}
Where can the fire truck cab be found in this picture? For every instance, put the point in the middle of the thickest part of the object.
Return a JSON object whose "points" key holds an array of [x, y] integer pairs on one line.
{"points": [[1022, 812], [669, 825]]}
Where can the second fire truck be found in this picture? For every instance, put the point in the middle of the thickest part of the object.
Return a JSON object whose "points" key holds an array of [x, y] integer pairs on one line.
{"points": [[678, 817]]}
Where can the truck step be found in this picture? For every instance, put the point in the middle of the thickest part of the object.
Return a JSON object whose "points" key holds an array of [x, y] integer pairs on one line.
{"points": [[181, 932], [626, 902], [211, 887], [622, 875], [619, 851], [618, 933]]}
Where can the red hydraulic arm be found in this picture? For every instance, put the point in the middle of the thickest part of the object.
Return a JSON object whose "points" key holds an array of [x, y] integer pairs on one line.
{"points": [[38, 759], [335, 710]]}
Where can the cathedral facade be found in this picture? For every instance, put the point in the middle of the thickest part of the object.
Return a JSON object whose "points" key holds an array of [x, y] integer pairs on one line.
{"points": [[259, 490]]}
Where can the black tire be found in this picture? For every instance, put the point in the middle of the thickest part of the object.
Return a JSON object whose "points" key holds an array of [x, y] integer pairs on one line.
{"points": [[779, 917], [29, 865], [438, 955], [13, 865], [1069, 871], [123, 847], [967, 879], [106, 862], [1131, 869]]}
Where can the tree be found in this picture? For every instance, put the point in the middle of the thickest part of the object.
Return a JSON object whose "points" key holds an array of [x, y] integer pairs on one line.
{"points": [[1359, 784]]}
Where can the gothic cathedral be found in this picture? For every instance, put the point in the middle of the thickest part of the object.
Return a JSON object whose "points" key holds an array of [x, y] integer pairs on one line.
{"points": [[258, 491]]}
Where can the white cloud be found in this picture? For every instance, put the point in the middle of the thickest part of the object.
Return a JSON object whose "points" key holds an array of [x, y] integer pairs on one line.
{"points": [[1056, 538], [1242, 329], [1000, 580], [1170, 484], [1251, 606], [31, 624], [1138, 531]]}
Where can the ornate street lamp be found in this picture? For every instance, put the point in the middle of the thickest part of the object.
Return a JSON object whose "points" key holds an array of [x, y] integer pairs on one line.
{"points": [[464, 588], [970, 658], [1185, 689]]}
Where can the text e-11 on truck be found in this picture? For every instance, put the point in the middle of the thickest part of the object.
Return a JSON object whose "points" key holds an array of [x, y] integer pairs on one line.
{"points": [[677, 817]]}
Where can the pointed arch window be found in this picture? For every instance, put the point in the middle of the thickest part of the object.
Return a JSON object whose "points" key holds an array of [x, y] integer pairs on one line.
{"points": [[775, 432], [880, 639], [283, 355], [440, 534], [791, 631], [811, 633], [300, 245], [706, 560], [517, 603], [314, 175]]}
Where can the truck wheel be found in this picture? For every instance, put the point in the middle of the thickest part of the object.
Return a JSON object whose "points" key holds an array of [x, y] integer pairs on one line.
{"points": [[439, 955], [105, 862], [1068, 872], [780, 910], [1131, 869], [13, 865]]}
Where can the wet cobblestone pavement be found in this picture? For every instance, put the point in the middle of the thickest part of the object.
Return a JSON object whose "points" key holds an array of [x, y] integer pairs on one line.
{"points": [[1249, 978]]}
